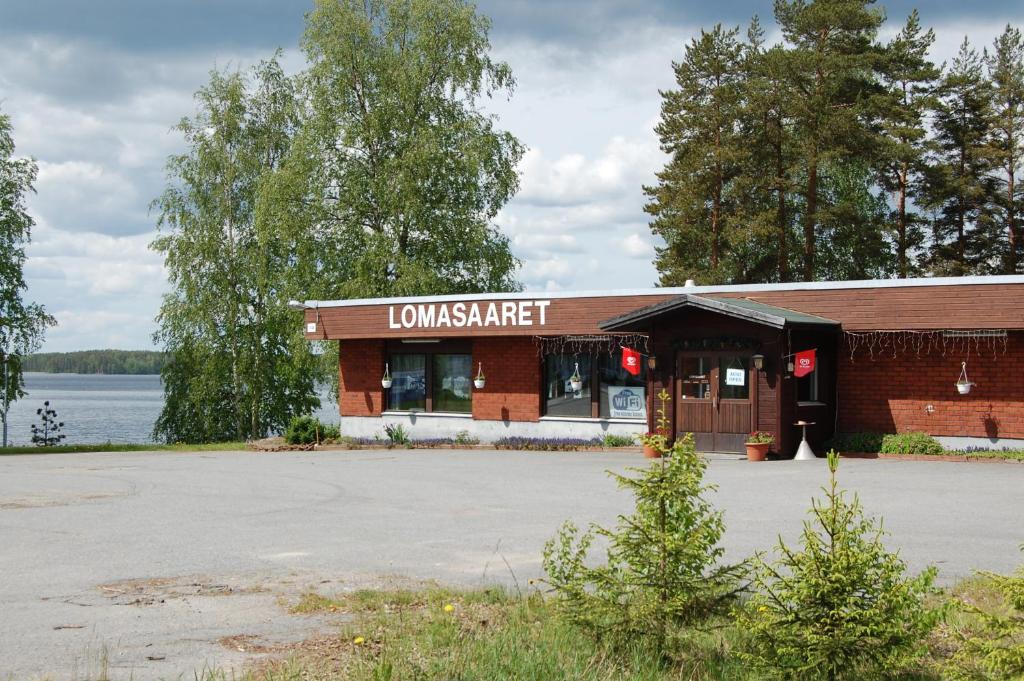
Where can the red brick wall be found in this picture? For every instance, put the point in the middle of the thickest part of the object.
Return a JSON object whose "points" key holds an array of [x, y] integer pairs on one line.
{"points": [[512, 367], [890, 394], [360, 366]]}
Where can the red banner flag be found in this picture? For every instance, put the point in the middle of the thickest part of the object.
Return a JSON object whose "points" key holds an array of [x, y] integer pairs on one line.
{"points": [[631, 361], [804, 364]]}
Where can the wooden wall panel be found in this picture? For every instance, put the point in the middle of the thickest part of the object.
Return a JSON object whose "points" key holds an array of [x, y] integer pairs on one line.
{"points": [[974, 306]]}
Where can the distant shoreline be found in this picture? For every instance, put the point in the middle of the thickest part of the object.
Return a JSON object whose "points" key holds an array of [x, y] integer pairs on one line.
{"points": [[97, 362]]}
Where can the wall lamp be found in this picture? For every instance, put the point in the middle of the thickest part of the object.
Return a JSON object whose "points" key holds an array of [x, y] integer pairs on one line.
{"points": [[758, 361], [311, 327], [652, 363]]}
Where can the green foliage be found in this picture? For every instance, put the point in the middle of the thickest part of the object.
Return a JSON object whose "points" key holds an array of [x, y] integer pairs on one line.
{"points": [[910, 443], [397, 434], [856, 442], [841, 606], [993, 647], [397, 172], [463, 437], [613, 440], [759, 437], [238, 365], [663, 572], [134, 362], [303, 430], [47, 432], [24, 324]]}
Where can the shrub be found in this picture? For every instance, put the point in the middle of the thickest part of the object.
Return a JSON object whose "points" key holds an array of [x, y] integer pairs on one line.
{"points": [[662, 571], [869, 443], [910, 443], [303, 430], [329, 431], [840, 607], [463, 437], [995, 649], [396, 434], [613, 440], [546, 444], [47, 433]]}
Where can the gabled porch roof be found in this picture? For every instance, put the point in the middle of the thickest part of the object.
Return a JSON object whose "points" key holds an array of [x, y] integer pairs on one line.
{"points": [[738, 308]]}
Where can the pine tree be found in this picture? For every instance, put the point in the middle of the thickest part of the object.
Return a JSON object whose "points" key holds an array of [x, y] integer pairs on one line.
{"points": [[663, 571], [691, 203], [830, 60], [839, 607], [909, 79], [1006, 136], [766, 183], [958, 180]]}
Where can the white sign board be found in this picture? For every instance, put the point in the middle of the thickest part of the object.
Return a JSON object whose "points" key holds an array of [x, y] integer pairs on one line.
{"points": [[735, 377], [311, 327], [627, 402]]}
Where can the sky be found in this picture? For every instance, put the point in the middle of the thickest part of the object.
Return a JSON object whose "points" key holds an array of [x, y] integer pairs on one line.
{"points": [[93, 89]]}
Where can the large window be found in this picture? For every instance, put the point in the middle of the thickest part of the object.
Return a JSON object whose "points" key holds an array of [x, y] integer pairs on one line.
{"points": [[606, 391], [436, 382]]}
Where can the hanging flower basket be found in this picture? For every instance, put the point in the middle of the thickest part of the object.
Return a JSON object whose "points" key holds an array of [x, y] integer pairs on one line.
{"points": [[963, 385], [386, 381], [576, 381], [480, 381]]}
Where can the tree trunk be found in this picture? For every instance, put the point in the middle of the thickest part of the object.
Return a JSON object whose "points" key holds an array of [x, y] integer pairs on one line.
{"points": [[810, 217], [783, 217], [901, 221], [1011, 219]]}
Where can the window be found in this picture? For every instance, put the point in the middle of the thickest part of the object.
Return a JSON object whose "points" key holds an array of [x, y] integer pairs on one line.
{"points": [[561, 399], [607, 390], [452, 385], [431, 382], [408, 383], [807, 386]]}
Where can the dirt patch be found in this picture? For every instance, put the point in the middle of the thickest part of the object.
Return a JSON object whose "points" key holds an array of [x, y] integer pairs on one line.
{"points": [[246, 643], [161, 589], [50, 502]]}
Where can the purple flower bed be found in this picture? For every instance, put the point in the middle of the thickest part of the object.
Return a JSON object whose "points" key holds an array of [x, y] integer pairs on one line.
{"points": [[546, 444]]}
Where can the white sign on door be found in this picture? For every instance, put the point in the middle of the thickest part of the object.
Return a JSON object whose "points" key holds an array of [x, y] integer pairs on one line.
{"points": [[735, 377]]}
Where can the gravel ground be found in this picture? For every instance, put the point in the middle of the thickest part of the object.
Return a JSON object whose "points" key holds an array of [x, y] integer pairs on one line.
{"points": [[155, 565]]}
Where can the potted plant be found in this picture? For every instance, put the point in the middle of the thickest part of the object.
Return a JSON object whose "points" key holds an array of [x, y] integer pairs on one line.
{"points": [[963, 384], [576, 381], [386, 381], [757, 445], [654, 443], [480, 381]]}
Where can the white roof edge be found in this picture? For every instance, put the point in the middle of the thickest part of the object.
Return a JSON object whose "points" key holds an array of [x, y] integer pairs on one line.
{"points": [[679, 290]]}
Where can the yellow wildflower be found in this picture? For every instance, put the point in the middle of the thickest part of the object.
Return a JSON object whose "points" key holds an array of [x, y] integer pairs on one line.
{"points": [[449, 608], [359, 640], [763, 608]]}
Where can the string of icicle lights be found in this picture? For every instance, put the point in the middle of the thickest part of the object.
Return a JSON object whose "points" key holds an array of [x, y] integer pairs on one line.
{"points": [[946, 341], [586, 345]]}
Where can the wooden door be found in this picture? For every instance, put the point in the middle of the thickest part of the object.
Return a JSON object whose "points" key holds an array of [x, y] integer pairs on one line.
{"points": [[714, 400], [695, 399], [733, 404]]}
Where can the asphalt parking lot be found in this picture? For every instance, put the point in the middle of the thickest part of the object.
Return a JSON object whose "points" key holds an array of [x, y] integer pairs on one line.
{"points": [[154, 565]]}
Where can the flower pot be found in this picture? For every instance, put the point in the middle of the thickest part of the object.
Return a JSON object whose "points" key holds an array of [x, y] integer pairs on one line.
{"points": [[576, 386], [757, 451], [651, 452], [479, 383], [963, 387], [385, 383]]}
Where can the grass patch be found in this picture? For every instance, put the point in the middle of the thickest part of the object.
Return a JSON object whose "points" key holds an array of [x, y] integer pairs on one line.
{"points": [[111, 447], [1007, 454]]}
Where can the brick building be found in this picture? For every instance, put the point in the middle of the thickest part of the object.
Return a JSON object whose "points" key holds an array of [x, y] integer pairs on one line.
{"points": [[887, 356]]}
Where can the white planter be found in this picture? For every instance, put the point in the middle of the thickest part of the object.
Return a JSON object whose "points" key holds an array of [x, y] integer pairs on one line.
{"points": [[964, 387], [576, 386], [385, 383], [479, 383]]}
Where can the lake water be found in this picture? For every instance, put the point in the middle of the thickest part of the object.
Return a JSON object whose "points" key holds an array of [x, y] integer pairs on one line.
{"points": [[97, 408]]}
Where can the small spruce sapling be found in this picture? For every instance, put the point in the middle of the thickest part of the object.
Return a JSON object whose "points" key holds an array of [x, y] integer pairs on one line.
{"points": [[47, 433], [841, 606], [663, 571], [994, 648]]}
